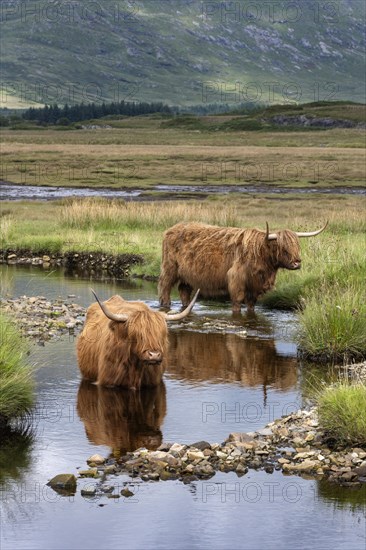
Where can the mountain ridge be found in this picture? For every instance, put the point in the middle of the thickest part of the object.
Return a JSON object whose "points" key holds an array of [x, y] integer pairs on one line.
{"points": [[182, 52]]}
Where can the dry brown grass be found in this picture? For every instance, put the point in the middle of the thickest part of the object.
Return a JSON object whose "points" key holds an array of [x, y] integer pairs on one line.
{"points": [[199, 151], [91, 213], [145, 157], [296, 214]]}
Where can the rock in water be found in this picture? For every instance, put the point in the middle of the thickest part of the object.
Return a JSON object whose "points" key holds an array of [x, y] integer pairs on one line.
{"points": [[88, 491], [96, 459], [64, 484]]}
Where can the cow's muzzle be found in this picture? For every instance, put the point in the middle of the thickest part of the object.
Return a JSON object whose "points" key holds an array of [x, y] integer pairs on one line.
{"points": [[296, 265], [152, 357]]}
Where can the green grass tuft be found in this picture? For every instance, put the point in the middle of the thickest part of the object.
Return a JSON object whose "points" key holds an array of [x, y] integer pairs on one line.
{"points": [[16, 385], [333, 323], [342, 412]]}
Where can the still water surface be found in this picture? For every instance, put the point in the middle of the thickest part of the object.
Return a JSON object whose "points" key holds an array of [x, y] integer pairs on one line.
{"points": [[217, 382]]}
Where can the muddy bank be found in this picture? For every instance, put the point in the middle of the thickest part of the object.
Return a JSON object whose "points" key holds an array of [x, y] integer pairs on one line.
{"points": [[294, 444], [91, 263]]}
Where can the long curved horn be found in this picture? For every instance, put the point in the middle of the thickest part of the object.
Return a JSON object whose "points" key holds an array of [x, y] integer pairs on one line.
{"points": [[270, 236], [178, 316], [112, 316], [312, 233]]}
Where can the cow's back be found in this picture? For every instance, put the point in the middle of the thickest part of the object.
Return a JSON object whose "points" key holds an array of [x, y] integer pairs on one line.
{"points": [[202, 254]]}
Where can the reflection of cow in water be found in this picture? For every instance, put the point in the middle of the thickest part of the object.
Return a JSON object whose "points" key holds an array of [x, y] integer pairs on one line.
{"points": [[121, 419], [228, 358]]}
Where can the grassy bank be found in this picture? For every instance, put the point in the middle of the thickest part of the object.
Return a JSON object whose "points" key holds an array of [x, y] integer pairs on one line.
{"points": [[342, 412], [16, 386], [328, 289]]}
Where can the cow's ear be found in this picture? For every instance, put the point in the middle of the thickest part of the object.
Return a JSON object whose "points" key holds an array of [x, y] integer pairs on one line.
{"points": [[114, 325]]}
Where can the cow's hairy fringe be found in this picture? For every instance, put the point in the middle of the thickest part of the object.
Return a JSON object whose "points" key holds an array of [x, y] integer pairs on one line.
{"points": [[289, 241], [255, 244], [145, 330]]}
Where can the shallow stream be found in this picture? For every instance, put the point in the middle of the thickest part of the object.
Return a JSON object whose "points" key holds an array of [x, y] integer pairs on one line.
{"points": [[158, 192], [219, 380]]}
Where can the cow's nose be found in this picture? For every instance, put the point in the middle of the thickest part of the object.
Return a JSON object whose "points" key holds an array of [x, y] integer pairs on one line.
{"points": [[153, 356], [296, 265]]}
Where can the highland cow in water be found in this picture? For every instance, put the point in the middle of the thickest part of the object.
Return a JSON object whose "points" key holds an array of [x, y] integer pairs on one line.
{"points": [[125, 343], [241, 263]]}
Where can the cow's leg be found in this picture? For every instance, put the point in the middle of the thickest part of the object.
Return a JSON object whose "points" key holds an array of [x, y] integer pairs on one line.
{"points": [[250, 300], [236, 303], [236, 278], [167, 279], [185, 292]]}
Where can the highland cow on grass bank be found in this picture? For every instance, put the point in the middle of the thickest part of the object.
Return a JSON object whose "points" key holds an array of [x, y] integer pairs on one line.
{"points": [[241, 263]]}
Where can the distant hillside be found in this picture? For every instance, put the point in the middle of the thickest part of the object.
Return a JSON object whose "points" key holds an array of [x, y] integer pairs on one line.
{"points": [[181, 51], [310, 116]]}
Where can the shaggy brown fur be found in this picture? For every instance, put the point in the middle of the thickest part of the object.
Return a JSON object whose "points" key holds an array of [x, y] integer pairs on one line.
{"points": [[224, 260], [121, 419], [113, 353]]}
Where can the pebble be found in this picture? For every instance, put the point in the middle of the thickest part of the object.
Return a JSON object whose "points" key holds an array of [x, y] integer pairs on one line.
{"points": [[92, 472], [158, 455], [127, 493], [265, 431], [107, 488], [201, 445], [196, 455], [96, 459], [221, 455], [88, 491]]}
